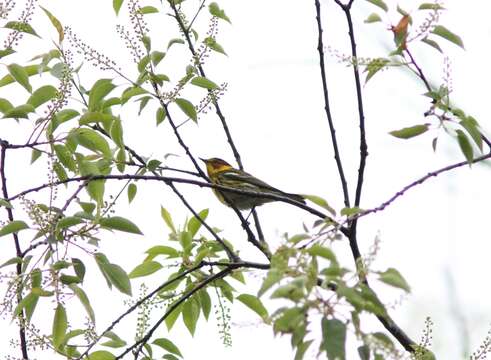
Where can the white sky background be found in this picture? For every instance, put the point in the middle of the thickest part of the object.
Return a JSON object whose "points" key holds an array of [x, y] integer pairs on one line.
{"points": [[275, 111]]}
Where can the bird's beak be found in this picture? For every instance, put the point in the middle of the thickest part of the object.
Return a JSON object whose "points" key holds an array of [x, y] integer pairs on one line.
{"points": [[204, 160]]}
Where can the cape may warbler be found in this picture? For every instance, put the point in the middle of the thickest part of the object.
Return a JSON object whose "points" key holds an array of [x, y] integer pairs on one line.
{"points": [[222, 173]]}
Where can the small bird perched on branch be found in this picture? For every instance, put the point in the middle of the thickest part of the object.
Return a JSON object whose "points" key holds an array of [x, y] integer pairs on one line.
{"points": [[222, 173]]}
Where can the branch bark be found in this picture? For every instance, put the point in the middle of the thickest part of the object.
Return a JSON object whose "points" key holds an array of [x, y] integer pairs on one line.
{"points": [[18, 268]]}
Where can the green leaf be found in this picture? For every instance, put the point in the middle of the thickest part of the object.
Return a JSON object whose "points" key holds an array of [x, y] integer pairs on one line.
{"points": [[348, 211], [121, 224], [380, 4], [430, 6], [12, 261], [79, 268], [374, 66], [432, 43], [167, 345], [116, 132], [253, 303], [20, 75], [28, 303], [56, 23], [167, 218], [42, 95], [170, 357], [364, 352], [194, 224], [66, 115], [118, 278], [205, 302], [148, 10], [59, 326], [394, 278], [95, 188], [13, 227], [93, 117], [35, 154], [99, 91], [5, 203], [144, 269], [5, 105], [187, 108], [302, 349], [204, 83], [21, 26], [465, 146], [190, 314], [322, 251], [334, 338], [101, 355], [67, 222], [131, 192], [115, 342], [162, 250], [160, 115], [30, 70], [274, 276], [6, 52], [174, 41], [321, 202], [117, 5], [447, 35], [410, 132], [171, 319], [65, 157], [21, 111], [157, 57], [131, 92], [82, 296], [219, 13], [472, 127], [373, 17], [93, 141], [213, 45]]}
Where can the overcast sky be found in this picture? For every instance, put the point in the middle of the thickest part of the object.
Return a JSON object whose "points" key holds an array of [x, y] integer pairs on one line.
{"points": [[435, 235]]}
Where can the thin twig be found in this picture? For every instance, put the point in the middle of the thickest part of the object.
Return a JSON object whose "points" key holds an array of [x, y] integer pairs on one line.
{"points": [[419, 181], [386, 320], [327, 107], [164, 179], [138, 345]]}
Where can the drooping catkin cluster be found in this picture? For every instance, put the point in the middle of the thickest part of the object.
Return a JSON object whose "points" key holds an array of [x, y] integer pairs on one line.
{"points": [[428, 23], [211, 97], [96, 58], [5, 8], [203, 51], [25, 17], [484, 348], [131, 42]]}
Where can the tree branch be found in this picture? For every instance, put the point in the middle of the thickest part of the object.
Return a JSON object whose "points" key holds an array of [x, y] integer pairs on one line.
{"points": [[418, 182], [218, 110], [167, 179], [18, 268], [138, 345], [386, 320], [327, 107]]}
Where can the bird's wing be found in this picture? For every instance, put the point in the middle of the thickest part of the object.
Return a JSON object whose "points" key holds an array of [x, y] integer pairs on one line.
{"points": [[247, 179]]}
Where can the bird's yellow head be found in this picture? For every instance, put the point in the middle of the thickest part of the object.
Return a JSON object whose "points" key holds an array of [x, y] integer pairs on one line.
{"points": [[215, 165]]}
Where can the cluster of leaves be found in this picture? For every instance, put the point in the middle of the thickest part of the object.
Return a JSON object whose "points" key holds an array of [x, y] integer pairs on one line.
{"points": [[464, 128], [306, 274], [88, 141]]}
